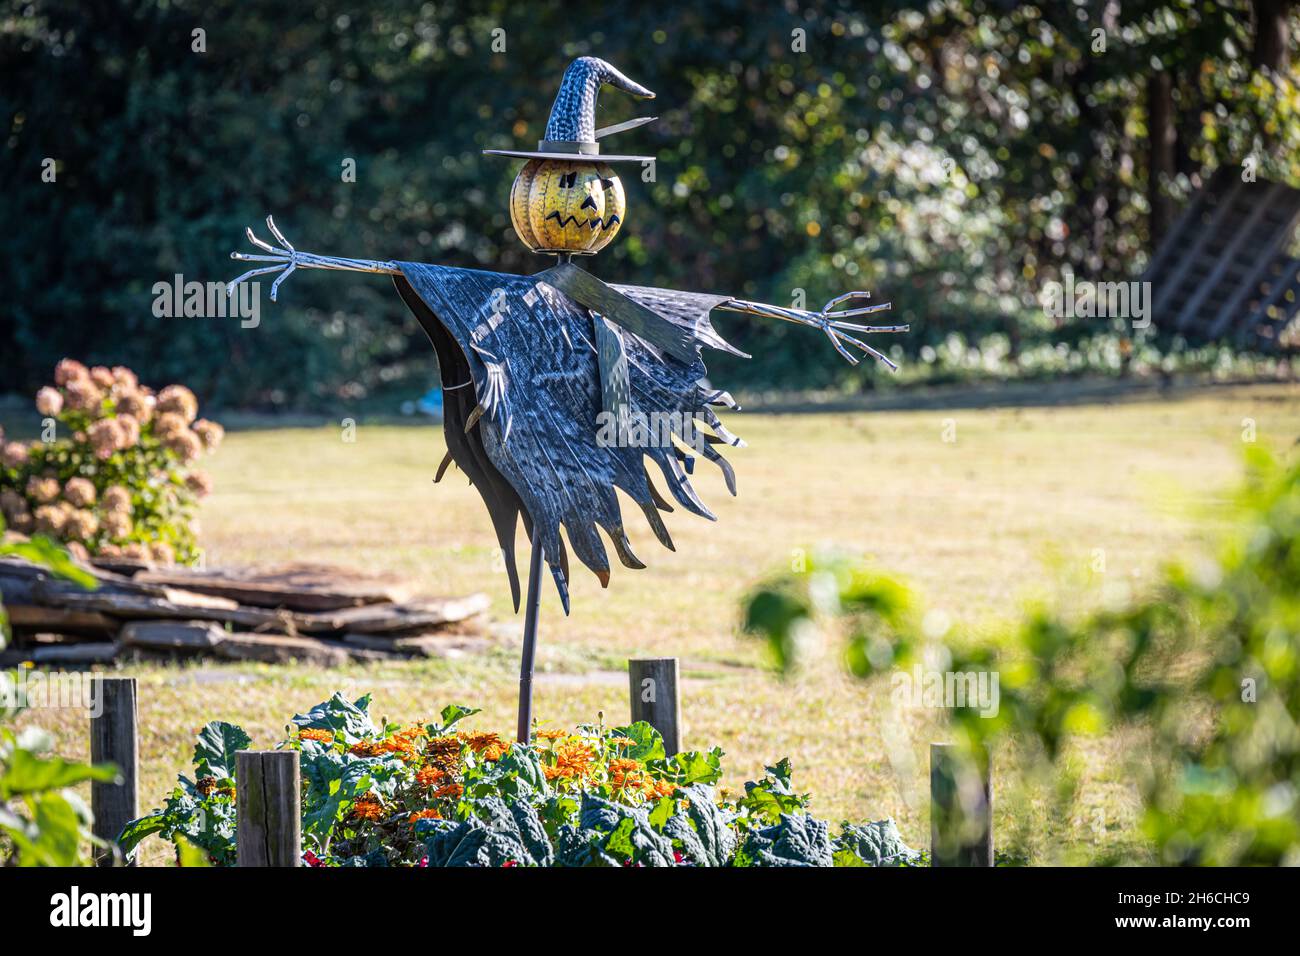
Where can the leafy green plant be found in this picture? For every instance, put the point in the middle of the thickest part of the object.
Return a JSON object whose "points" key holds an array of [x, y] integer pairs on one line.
{"points": [[431, 795], [1205, 667], [42, 821], [114, 473]]}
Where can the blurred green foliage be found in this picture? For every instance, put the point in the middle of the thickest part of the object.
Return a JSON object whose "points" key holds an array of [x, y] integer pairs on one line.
{"points": [[43, 822], [950, 156], [1204, 671]]}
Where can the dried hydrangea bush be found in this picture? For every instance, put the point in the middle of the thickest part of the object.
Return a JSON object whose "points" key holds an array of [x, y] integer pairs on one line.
{"points": [[115, 471]]}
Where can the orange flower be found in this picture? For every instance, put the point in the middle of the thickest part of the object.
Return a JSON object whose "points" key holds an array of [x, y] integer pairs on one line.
{"points": [[627, 775], [444, 752], [430, 776], [621, 742], [574, 760], [368, 808], [366, 748], [310, 733], [494, 752], [405, 743], [450, 790], [426, 814], [481, 742], [661, 788], [551, 734]]}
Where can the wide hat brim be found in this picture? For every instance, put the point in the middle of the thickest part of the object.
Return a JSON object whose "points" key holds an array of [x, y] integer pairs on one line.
{"points": [[571, 157]]}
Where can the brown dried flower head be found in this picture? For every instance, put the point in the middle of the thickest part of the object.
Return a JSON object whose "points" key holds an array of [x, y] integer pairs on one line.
{"points": [[116, 525], [14, 454], [169, 423], [12, 503], [179, 399], [185, 444], [210, 432], [50, 520], [136, 404], [117, 499], [124, 379], [130, 427], [199, 482], [84, 396], [68, 371], [42, 490], [49, 402], [80, 492], [106, 436], [102, 376], [81, 525]]}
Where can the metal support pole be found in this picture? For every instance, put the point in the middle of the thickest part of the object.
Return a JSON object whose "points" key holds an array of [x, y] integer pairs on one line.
{"points": [[532, 604]]}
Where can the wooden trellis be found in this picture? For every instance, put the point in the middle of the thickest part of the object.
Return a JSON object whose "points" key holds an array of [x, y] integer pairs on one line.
{"points": [[1230, 267]]}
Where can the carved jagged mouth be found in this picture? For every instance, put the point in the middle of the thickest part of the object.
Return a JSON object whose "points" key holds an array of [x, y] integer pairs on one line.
{"points": [[594, 223]]}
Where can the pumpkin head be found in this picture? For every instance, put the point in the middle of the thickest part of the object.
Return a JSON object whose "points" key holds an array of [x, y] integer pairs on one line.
{"points": [[560, 205]]}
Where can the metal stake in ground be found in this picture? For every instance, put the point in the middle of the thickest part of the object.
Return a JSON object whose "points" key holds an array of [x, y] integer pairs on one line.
{"points": [[531, 608]]}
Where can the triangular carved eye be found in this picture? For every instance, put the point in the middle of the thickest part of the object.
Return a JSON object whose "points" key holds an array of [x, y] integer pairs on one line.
{"points": [[567, 180], [607, 184]]}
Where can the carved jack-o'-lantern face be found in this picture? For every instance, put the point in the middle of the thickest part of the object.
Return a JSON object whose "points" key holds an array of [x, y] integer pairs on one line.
{"points": [[571, 206]]}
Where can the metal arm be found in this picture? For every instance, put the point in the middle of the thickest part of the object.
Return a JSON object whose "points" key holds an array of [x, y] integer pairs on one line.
{"points": [[829, 321], [287, 259]]}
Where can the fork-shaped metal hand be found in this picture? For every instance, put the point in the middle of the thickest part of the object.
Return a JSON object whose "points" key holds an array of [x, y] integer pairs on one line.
{"points": [[287, 259], [829, 321]]}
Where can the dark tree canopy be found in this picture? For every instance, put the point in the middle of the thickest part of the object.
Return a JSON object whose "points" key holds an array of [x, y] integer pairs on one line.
{"points": [[948, 156]]}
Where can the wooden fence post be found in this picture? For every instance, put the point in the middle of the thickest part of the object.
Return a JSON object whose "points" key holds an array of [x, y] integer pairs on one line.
{"points": [[653, 683], [268, 808], [113, 740], [961, 807]]}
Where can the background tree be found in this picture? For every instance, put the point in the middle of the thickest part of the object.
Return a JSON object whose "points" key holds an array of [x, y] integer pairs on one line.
{"points": [[950, 156]]}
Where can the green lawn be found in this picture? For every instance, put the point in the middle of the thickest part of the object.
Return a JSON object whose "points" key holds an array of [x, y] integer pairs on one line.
{"points": [[1022, 498]]}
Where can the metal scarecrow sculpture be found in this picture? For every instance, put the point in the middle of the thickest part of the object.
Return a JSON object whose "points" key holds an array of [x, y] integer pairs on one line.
{"points": [[557, 386]]}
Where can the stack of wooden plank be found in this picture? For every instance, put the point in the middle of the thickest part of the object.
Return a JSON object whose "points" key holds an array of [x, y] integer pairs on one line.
{"points": [[309, 613]]}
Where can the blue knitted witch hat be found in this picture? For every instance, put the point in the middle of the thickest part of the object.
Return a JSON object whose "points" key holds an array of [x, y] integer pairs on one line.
{"points": [[571, 131]]}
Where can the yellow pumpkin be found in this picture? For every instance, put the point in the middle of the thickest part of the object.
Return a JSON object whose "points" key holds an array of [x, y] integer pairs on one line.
{"points": [[560, 205]]}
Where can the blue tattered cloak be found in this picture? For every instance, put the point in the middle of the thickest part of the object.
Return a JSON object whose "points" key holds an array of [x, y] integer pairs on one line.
{"points": [[523, 409]]}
